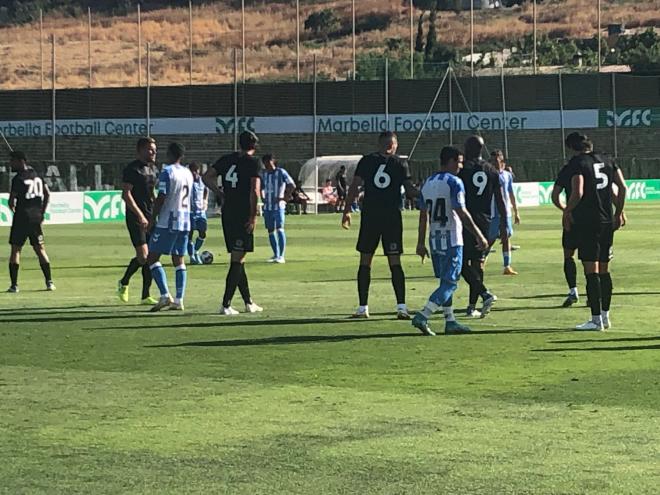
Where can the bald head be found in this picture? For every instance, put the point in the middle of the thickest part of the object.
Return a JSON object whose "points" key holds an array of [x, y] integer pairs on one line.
{"points": [[474, 147]]}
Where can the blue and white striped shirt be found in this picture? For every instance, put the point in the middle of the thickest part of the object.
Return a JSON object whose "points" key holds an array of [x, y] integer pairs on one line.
{"points": [[273, 185]]}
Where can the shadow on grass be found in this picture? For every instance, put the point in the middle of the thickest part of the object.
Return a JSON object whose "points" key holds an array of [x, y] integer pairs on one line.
{"points": [[563, 295], [286, 340], [86, 315], [598, 349], [625, 339]]}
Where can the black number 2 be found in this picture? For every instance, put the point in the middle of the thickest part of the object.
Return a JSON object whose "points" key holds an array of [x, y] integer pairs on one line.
{"points": [[184, 198], [439, 213]]}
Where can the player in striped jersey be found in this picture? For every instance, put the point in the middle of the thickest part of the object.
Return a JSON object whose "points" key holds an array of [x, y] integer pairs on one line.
{"points": [[443, 212], [506, 182], [198, 222], [276, 187], [172, 225]]}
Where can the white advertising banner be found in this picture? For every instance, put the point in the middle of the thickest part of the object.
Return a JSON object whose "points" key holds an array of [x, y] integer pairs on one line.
{"points": [[63, 208]]}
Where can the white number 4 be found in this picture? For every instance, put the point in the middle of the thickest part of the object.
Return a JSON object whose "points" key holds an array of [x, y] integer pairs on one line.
{"points": [[232, 176], [382, 179], [602, 181]]}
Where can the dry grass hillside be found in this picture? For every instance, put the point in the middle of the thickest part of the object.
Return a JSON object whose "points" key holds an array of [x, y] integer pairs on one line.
{"points": [[270, 39]]}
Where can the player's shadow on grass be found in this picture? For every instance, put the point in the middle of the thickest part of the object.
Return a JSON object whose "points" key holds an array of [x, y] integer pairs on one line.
{"points": [[598, 349], [286, 340], [624, 339], [563, 295], [100, 308], [84, 315]]}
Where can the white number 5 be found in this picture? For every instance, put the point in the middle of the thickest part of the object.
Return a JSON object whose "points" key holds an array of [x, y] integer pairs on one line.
{"points": [[232, 177], [382, 179], [480, 180], [602, 180]]}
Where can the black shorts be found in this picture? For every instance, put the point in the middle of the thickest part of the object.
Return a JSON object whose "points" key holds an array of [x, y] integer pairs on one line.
{"points": [[595, 243], [341, 194], [139, 236], [569, 239], [470, 251], [236, 236], [22, 231], [385, 228]]}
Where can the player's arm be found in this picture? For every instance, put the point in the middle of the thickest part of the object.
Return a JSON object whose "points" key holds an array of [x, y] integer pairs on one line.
{"points": [[556, 197], [210, 179], [127, 196], [353, 192], [468, 223], [13, 196], [411, 191], [46, 200], [577, 184], [514, 204], [421, 250], [619, 199], [255, 187], [501, 206], [205, 199], [163, 190], [288, 192]]}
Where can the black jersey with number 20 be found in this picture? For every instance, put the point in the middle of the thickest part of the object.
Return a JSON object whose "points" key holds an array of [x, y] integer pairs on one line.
{"points": [[481, 182], [236, 172], [596, 203], [28, 188], [383, 175]]}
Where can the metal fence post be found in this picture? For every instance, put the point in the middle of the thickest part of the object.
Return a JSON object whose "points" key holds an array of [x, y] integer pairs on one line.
{"points": [[54, 115], [561, 117], [614, 119], [314, 145], [387, 93], [504, 122], [41, 45], [412, 43], [600, 35], [190, 37], [89, 43], [139, 44], [298, 40], [534, 37], [354, 40], [243, 37], [235, 100], [471, 38], [149, 89], [451, 107]]}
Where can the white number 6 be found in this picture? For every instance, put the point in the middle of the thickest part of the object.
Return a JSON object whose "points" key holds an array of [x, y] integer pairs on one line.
{"points": [[480, 180], [382, 179]]}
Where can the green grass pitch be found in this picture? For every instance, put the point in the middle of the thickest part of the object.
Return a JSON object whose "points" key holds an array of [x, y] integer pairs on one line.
{"points": [[96, 397]]}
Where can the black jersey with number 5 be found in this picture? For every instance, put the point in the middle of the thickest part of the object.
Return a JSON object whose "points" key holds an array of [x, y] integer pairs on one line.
{"points": [[383, 175], [28, 188], [596, 203], [481, 182], [236, 172]]}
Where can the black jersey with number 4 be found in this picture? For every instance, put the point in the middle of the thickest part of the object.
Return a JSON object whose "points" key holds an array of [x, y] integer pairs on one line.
{"points": [[383, 175], [28, 188], [481, 182], [236, 172], [596, 203]]}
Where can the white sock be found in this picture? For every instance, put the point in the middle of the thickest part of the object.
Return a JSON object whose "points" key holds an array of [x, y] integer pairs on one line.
{"points": [[449, 313], [401, 307], [177, 300], [605, 315], [574, 291], [363, 309], [596, 319], [429, 309]]}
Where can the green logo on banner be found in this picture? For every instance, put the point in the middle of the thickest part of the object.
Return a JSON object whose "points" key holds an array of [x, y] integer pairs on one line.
{"points": [[103, 206], [5, 213], [630, 117]]}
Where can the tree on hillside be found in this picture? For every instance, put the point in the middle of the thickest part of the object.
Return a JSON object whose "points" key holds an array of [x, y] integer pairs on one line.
{"points": [[322, 23]]}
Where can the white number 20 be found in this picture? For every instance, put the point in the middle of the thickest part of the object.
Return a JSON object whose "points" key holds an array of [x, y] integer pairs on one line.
{"points": [[35, 188], [602, 180], [382, 179], [232, 177], [480, 180]]}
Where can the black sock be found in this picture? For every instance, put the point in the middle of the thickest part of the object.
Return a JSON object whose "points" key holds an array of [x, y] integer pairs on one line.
{"points": [[363, 282], [570, 272], [244, 287], [399, 283], [131, 269], [606, 290], [594, 293], [146, 280], [233, 277], [45, 269], [471, 276], [13, 273]]}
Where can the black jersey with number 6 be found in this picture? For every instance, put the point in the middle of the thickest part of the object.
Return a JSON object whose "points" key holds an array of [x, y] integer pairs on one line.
{"points": [[236, 171], [595, 207], [481, 182], [28, 188], [383, 175]]}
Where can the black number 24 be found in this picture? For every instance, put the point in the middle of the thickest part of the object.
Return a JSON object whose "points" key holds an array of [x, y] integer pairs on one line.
{"points": [[439, 212]]}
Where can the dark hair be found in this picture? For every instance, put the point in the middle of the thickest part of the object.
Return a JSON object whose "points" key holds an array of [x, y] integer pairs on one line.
{"points": [[497, 152], [448, 153], [144, 141], [176, 150], [248, 140], [18, 155], [266, 158], [578, 142], [194, 166], [473, 146], [386, 136]]}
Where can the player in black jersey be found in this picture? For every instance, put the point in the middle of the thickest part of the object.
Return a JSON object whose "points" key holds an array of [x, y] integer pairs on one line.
{"points": [[588, 212], [482, 186], [28, 200], [138, 192], [381, 174], [239, 190]]}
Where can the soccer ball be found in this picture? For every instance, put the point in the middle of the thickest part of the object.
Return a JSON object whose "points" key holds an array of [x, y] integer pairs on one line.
{"points": [[206, 257]]}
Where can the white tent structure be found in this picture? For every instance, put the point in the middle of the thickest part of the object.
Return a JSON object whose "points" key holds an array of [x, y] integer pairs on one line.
{"points": [[316, 171]]}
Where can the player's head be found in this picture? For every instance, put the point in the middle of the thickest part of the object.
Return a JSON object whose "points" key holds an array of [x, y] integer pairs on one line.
{"points": [[269, 161], [388, 142], [175, 152], [248, 141], [194, 168], [474, 146], [17, 160], [328, 183], [342, 168], [497, 159], [146, 149], [451, 160], [579, 143]]}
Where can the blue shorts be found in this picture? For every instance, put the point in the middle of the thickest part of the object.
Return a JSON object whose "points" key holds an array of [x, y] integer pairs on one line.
{"points": [[447, 264], [274, 219], [199, 223], [494, 232], [165, 241]]}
